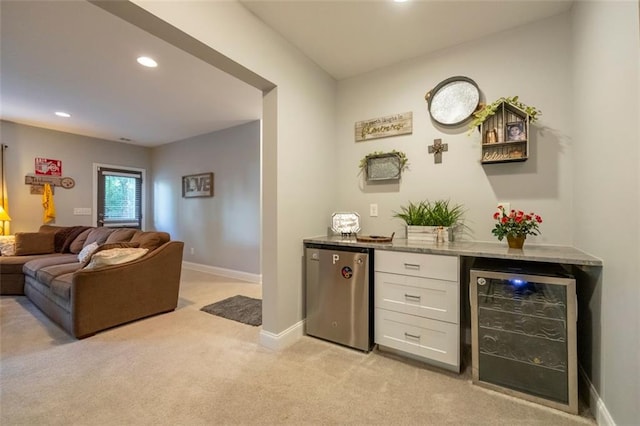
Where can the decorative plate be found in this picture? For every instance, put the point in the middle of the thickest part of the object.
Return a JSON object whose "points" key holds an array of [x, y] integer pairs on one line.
{"points": [[453, 100], [345, 223]]}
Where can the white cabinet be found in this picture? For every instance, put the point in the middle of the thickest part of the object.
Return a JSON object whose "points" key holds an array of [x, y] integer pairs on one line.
{"points": [[417, 306]]}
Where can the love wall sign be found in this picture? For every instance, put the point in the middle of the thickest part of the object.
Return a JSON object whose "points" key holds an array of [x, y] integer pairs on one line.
{"points": [[200, 185]]}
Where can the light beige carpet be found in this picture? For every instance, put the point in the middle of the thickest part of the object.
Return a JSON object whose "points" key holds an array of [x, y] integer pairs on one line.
{"points": [[192, 368]]}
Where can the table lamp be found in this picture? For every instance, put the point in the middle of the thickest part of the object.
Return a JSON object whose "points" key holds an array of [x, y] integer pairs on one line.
{"points": [[4, 217]]}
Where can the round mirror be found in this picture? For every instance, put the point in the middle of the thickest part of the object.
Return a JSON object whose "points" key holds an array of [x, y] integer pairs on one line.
{"points": [[453, 100]]}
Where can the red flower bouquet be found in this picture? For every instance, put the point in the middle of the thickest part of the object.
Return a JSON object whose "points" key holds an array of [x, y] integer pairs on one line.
{"points": [[516, 223]]}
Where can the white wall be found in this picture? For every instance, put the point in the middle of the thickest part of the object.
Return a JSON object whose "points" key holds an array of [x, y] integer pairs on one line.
{"points": [[605, 76], [78, 153], [223, 230], [539, 74], [298, 163]]}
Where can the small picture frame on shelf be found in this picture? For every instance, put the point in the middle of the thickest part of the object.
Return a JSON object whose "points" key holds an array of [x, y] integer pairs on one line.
{"points": [[516, 131], [200, 185]]}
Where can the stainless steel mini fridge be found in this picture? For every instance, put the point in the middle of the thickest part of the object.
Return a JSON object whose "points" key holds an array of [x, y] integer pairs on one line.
{"points": [[523, 330], [338, 295]]}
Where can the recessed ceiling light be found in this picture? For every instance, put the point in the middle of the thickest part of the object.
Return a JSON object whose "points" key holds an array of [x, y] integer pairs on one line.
{"points": [[147, 62], [63, 114], [400, 1]]}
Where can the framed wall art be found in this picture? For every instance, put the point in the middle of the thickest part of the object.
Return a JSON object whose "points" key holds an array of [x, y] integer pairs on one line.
{"points": [[200, 185]]}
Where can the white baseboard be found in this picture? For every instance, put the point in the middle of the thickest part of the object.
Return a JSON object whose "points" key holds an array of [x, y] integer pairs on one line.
{"points": [[598, 409], [229, 273], [283, 339]]}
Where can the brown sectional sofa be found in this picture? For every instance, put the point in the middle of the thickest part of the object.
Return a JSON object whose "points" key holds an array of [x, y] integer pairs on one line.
{"points": [[85, 301]]}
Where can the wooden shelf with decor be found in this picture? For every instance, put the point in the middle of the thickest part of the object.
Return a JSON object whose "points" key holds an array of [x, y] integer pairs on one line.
{"points": [[505, 135]]}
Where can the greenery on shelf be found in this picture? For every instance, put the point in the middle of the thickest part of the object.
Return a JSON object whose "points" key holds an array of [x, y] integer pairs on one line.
{"points": [[404, 161], [487, 111], [427, 213]]}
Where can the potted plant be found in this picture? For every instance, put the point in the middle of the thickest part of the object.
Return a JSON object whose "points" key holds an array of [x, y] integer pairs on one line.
{"points": [[515, 225], [430, 221]]}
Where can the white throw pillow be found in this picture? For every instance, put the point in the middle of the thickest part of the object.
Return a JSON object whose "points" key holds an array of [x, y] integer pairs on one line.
{"points": [[86, 252], [7, 245], [115, 256]]}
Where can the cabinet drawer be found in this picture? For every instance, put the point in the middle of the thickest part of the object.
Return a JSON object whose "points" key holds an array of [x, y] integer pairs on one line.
{"points": [[426, 338], [416, 264], [424, 297]]}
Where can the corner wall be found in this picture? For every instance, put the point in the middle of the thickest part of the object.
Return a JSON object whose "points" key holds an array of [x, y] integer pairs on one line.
{"points": [[606, 86], [299, 159], [78, 154], [223, 230], [532, 61]]}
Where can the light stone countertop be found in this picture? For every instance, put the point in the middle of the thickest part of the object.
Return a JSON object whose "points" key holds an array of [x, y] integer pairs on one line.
{"points": [[498, 250]]}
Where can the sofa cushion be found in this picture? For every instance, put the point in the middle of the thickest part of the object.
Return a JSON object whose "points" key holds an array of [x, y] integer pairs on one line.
{"points": [[150, 240], [121, 235], [76, 245], [70, 237], [59, 235], [116, 256], [61, 286], [34, 243], [98, 235], [32, 266], [47, 274]]}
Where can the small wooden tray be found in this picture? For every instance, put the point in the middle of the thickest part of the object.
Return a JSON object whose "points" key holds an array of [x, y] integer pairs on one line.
{"points": [[374, 238]]}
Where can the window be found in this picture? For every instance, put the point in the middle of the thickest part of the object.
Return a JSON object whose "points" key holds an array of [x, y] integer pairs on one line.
{"points": [[119, 197]]}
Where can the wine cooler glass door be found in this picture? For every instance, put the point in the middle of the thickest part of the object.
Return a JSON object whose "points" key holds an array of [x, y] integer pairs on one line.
{"points": [[523, 330]]}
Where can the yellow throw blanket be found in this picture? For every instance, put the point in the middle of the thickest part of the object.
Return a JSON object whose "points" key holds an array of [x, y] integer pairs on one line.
{"points": [[47, 203]]}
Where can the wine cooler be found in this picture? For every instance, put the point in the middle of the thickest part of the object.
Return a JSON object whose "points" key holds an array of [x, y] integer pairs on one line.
{"points": [[523, 329]]}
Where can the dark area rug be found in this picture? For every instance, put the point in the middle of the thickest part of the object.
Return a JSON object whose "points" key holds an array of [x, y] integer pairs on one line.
{"points": [[238, 308]]}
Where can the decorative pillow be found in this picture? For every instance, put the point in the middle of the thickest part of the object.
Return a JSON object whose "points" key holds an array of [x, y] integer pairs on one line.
{"points": [[34, 243], [86, 252], [151, 239], [121, 235], [78, 242], [7, 245], [70, 237], [109, 246], [115, 256], [98, 235]]}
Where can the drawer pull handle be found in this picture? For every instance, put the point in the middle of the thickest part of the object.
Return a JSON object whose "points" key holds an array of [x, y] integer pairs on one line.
{"points": [[412, 297], [411, 336], [411, 266]]}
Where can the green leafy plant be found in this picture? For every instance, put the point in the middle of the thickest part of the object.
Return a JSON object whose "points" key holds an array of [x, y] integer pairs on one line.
{"points": [[487, 111], [515, 223], [427, 213], [404, 161]]}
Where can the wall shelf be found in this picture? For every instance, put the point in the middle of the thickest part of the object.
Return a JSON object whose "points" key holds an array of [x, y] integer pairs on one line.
{"points": [[505, 135]]}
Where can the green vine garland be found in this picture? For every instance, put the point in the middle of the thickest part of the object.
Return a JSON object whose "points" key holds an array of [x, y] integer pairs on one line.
{"points": [[404, 161], [487, 111]]}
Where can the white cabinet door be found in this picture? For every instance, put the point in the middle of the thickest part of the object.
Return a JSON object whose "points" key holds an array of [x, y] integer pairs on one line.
{"points": [[425, 297], [417, 264], [435, 340]]}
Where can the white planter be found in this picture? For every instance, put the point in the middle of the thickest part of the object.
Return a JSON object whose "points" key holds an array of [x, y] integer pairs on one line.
{"points": [[429, 233]]}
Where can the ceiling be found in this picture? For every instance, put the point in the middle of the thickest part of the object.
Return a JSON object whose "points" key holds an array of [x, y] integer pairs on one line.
{"points": [[76, 57]]}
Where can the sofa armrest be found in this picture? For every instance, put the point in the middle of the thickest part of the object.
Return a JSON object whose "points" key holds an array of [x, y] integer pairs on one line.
{"points": [[113, 295]]}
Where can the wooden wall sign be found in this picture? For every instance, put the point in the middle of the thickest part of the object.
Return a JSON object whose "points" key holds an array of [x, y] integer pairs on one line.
{"points": [[383, 127], [65, 182]]}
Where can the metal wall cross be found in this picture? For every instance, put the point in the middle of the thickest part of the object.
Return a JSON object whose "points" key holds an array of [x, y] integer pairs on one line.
{"points": [[438, 148]]}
